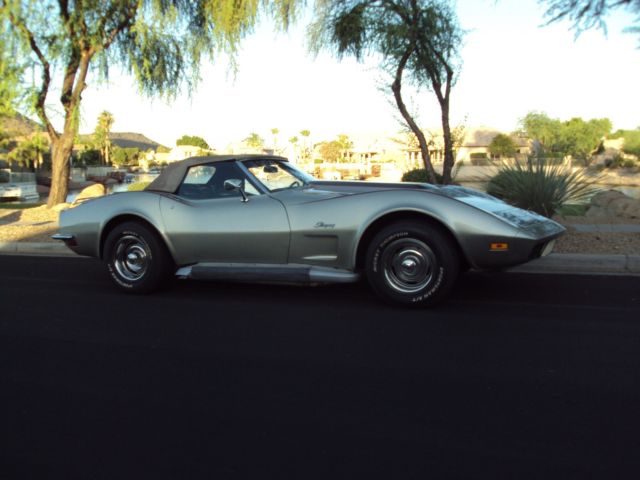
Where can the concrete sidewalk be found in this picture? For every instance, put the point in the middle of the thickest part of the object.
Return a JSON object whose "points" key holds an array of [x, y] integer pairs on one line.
{"points": [[571, 263]]}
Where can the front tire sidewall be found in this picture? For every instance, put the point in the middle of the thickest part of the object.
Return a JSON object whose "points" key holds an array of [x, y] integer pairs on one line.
{"points": [[444, 269], [158, 263]]}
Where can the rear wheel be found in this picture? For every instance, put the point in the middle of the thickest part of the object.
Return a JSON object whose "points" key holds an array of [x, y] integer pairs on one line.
{"points": [[137, 259], [412, 264]]}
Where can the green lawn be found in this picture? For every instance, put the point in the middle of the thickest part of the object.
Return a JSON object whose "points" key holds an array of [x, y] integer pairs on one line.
{"points": [[573, 210]]}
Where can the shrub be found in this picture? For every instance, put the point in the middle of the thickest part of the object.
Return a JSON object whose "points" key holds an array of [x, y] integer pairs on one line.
{"points": [[419, 175], [632, 142], [91, 157], [479, 159], [615, 162], [535, 185], [138, 186]]}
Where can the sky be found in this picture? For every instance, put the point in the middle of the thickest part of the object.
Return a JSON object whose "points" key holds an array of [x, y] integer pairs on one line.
{"points": [[512, 65]]}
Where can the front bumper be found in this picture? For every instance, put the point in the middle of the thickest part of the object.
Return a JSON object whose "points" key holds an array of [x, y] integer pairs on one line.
{"points": [[69, 240]]}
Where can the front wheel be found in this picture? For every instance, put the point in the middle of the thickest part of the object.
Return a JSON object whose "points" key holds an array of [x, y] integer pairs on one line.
{"points": [[412, 264], [137, 260]]}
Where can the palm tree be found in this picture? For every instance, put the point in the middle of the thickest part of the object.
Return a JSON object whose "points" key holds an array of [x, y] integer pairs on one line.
{"points": [[254, 141], [293, 141], [306, 150], [275, 132], [101, 135]]}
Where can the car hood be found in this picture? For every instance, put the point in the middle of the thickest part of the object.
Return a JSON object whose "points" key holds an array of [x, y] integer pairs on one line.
{"points": [[526, 220]]}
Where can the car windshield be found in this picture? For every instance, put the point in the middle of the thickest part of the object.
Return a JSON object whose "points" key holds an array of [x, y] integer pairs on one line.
{"points": [[277, 175]]}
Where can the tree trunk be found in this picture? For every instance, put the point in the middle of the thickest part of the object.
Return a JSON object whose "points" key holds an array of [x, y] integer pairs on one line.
{"points": [[396, 87], [448, 143], [62, 149]]}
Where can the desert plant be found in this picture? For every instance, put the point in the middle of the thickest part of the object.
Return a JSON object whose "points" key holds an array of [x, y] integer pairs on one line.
{"points": [[539, 186]]}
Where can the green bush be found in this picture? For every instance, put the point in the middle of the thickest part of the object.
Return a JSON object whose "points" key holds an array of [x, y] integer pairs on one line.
{"points": [[91, 157], [479, 159], [538, 186], [124, 156], [138, 186], [615, 162], [419, 175], [632, 142]]}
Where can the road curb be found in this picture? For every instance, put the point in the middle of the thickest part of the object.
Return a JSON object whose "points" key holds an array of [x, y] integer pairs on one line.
{"points": [[578, 263], [568, 263], [35, 248]]}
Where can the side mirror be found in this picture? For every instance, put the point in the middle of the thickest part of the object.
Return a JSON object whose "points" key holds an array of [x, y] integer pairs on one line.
{"points": [[235, 184]]}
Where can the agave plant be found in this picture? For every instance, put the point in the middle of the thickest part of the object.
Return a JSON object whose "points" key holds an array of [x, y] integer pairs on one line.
{"points": [[540, 186]]}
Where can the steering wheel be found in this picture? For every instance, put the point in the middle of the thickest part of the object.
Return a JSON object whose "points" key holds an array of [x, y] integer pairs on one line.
{"points": [[294, 184]]}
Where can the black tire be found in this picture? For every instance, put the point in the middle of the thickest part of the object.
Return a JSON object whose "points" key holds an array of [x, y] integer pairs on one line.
{"points": [[137, 259], [412, 264]]}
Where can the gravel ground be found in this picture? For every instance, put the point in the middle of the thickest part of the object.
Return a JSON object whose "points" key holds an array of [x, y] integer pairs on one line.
{"points": [[28, 225], [37, 225], [598, 242]]}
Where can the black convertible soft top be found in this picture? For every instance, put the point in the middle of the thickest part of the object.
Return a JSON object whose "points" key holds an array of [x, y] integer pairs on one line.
{"points": [[171, 177]]}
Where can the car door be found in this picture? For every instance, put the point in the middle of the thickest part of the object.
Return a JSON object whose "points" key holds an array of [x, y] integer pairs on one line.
{"points": [[205, 222]]}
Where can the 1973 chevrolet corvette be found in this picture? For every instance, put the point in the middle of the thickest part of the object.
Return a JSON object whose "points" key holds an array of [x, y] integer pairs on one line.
{"points": [[258, 218]]}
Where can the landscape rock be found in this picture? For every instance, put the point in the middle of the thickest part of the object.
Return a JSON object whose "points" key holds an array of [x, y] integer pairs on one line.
{"points": [[596, 211], [96, 190], [613, 203], [603, 199]]}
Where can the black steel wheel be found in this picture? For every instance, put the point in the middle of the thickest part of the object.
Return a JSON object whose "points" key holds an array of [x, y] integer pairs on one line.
{"points": [[412, 264], [136, 258]]}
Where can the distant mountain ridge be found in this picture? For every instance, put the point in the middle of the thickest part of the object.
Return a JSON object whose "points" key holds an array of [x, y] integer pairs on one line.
{"points": [[125, 140], [133, 140], [18, 125]]}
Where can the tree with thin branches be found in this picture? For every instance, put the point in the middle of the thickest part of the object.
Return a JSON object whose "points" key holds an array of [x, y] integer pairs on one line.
{"points": [[160, 43], [417, 40], [588, 14]]}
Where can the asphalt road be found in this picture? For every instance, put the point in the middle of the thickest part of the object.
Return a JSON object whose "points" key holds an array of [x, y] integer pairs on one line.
{"points": [[517, 376]]}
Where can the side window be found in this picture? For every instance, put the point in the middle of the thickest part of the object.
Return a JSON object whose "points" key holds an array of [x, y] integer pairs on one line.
{"points": [[199, 175], [204, 182], [272, 175]]}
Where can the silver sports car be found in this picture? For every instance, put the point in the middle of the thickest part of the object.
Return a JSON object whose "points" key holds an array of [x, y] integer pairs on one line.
{"points": [[257, 218]]}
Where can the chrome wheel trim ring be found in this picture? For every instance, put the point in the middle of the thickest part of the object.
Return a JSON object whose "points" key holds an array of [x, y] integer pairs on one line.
{"points": [[131, 258], [408, 265]]}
